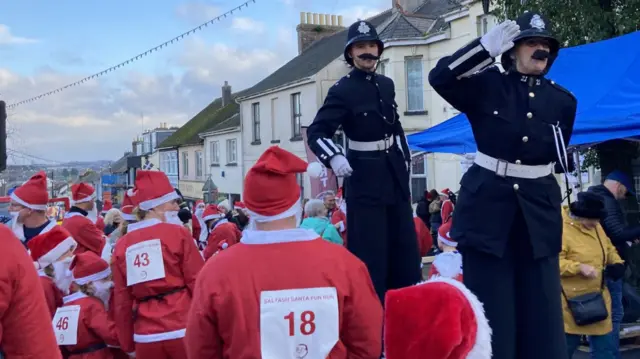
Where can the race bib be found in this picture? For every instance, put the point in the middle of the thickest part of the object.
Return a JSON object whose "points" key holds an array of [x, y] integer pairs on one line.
{"points": [[144, 262], [298, 323], [65, 325]]}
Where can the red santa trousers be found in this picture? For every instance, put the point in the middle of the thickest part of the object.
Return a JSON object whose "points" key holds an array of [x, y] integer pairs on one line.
{"points": [[167, 349]]}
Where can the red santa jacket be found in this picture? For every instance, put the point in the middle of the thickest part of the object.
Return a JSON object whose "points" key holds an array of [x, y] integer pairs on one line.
{"points": [[160, 305], [446, 211], [25, 321], [222, 231], [115, 349], [52, 294], [95, 330], [339, 216], [227, 302], [425, 240], [100, 224], [85, 232], [447, 264]]}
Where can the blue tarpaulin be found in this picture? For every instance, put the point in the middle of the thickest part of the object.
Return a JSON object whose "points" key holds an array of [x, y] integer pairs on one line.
{"points": [[605, 78]]}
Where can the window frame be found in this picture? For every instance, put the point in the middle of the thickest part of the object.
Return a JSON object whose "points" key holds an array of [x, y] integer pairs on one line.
{"points": [[199, 164], [214, 149], [185, 164], [296, 117], [255, 121], [232, 143], [409, 89]]}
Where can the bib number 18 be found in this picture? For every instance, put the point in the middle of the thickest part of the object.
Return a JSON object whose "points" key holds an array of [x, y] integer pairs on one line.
{"points": [[307, 324]]}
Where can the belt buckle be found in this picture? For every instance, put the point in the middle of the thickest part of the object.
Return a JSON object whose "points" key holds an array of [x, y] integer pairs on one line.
{"points": [[502, 174], [387, 142]]}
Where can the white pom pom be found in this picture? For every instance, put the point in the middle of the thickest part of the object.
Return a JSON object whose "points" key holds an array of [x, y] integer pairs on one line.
{"points": [[130, 192], [314, 169], [225, 245]]}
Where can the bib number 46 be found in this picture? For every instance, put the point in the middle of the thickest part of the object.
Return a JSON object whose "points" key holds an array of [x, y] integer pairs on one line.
{"points": [[63, 323], [307, 323]]}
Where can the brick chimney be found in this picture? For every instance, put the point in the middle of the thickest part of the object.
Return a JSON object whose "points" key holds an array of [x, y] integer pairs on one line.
{"points": [[314, 27], [406, 6], [226, 94]]}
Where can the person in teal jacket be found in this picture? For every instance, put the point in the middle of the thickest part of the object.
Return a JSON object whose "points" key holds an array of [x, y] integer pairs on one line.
{"points": [[318, 221]]}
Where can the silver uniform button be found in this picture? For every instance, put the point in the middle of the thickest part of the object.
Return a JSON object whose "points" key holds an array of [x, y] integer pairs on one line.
{"points": [[516, 187], [524, 139], [529, 115], [495, 112], [518, 162], [532, 95], [384, 117], [365, 113], [348, 76]]}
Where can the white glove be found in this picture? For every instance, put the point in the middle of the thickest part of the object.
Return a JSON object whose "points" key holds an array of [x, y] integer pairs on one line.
{"points": [[132, 355], [340, 166], [500, 39]]}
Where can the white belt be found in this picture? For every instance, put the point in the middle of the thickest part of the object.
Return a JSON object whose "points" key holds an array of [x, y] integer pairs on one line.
{"points": [[381, 145], [507, 169]]}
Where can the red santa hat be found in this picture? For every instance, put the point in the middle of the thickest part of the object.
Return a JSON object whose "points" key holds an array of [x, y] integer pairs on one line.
{"points": [[106, 206], [212, 212], [445, 192], [89, 267], [455, 328], [271, 190], [198, 203], [152, 189], [47, 247], [82, 193], [239, 205], [33, 193], [444, 236], [127, 208]]}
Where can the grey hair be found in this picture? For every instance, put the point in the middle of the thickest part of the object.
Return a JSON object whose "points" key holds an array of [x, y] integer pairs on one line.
{"points": [[314, 208], [328, 193]]}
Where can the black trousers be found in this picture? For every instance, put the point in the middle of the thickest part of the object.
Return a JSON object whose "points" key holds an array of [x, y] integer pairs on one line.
{"points": [[384, 238], [521, 298]]}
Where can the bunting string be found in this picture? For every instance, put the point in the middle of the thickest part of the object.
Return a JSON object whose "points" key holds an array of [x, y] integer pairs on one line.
{"points": [[135, 58]]}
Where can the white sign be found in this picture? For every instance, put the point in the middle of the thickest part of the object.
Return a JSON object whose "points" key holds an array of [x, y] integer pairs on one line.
{"points": [[65, 324], [298, 323], [145, 262]]}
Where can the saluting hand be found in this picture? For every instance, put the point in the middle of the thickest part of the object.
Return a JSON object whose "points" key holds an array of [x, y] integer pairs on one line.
{"points": [[500, 39], [341, 166]]}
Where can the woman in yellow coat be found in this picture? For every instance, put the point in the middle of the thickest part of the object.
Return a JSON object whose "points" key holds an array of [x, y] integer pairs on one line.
{"points": [[587, 255]]}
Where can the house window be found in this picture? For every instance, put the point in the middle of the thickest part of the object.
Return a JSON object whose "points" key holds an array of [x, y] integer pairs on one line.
{"points": [[485, 23], [232, 151], [413, 66], [255, 119], [199, 164], [382, 68], [274, 121], [418, 176], [296, 114], [169, 163], [215, 153], [185, 163]]}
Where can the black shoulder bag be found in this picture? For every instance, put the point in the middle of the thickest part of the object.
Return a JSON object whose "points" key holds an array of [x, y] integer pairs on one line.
{"points": [[589, 308]]}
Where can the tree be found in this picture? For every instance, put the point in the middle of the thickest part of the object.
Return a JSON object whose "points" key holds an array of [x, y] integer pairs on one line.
{"points": [[578, 23], [65, 173]]}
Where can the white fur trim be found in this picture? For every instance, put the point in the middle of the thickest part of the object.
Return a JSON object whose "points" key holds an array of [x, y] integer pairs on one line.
{"points": [[222, 221], [57, 252], [448, 264], [129, 217], [213, 216], [283, 236], [75, 296], [153, 203], [37, 207], [447, 241], [142, 224], [74, 214], [294, 210], [482, 346], [159, 337], [93, 277], [90, 198]]}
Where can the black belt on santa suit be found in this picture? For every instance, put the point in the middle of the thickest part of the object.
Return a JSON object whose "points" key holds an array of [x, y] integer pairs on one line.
{"points": [[89, 349], [159, 296]]}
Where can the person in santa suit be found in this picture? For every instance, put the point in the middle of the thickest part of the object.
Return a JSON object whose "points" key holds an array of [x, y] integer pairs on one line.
{"points": [[28, 208], [423, 234], [199, 231], [240, 215], [52, 251], [106, 207], [283, 291], [220, 230], [25, 321], [80, 222], [127, 209], [448, 263], [82, 326], [154, 272], [339, 216], [437, 319], [446, 211]]}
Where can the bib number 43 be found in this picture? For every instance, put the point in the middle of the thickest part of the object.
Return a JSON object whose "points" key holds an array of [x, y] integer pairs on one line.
{"points": [[307, 324], [141, 260]]}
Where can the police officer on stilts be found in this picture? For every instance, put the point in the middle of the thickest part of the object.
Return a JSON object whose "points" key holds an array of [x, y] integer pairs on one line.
{"points": [[508, 215], [376, 164]]}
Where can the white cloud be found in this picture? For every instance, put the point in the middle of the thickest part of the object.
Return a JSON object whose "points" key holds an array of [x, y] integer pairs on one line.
{"points": [[246, 24], [7, 38], [355, 13], [197, 12]]}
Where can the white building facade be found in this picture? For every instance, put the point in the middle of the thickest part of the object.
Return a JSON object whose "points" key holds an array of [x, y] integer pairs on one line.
{"points": [[223, 157]]}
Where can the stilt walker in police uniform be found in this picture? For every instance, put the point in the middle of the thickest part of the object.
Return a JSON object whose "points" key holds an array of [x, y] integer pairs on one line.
{"points": [[375, 166], [508, 215]]}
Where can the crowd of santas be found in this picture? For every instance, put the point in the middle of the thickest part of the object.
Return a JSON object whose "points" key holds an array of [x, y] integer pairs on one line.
{"points": [[276, 291]]}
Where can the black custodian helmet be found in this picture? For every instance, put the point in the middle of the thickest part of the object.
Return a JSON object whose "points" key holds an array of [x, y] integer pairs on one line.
{"points": [[361, 31], [533, 25]]}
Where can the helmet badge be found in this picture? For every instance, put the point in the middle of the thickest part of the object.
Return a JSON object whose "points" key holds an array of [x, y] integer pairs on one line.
{"points": [[364, 28], [537, 22]]}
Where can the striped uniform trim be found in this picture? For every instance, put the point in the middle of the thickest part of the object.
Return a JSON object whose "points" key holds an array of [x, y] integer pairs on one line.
{"points": [[470, 59], [328, 148]]}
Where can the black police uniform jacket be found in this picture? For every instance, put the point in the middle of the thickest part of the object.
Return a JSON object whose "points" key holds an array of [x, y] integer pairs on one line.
{"points": [[512, 117], [364, 105]]}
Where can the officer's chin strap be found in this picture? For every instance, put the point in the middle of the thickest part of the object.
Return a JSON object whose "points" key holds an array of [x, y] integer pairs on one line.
{"points": [[561, 149]]}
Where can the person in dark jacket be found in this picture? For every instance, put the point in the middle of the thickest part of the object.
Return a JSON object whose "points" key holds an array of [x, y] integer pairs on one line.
{"points": [[616, 186], [422, 209]]}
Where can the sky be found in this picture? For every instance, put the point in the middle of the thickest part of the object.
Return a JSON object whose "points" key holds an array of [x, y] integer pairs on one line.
{"points": [[45, 45]]}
